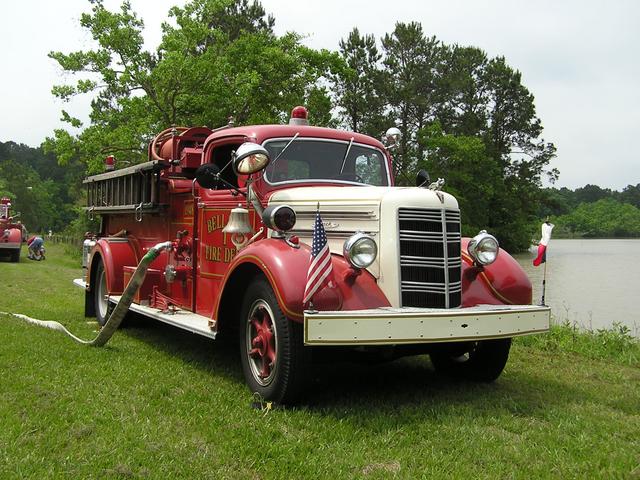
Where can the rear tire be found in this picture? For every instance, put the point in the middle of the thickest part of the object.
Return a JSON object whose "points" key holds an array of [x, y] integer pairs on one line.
{"points": [[481, 361], [271, 348], [103, 307]]}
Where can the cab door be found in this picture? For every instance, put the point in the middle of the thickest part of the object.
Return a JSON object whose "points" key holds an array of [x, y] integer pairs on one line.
{"points": [[215, 251]]}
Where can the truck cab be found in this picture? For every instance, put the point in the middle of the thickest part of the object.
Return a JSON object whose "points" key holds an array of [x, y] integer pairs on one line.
{"points": [[243, 207]]}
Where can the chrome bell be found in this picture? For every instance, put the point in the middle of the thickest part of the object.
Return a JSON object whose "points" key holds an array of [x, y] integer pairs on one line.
{"points": [[238, 227]]}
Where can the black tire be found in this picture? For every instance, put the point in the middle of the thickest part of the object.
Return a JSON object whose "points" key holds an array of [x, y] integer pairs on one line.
{"points": [[15, 255], [481, 361], [271, 348], [103, 307]]}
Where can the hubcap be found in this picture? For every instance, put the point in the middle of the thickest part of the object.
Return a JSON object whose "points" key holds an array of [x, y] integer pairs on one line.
{"points": [[261, 342]]}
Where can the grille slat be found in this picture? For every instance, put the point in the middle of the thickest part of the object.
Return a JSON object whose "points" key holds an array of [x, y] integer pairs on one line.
{"points": [[430, 262]]}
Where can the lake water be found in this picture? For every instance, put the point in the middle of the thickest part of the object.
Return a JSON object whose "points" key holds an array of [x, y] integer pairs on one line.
{"points": [[592, 283]]}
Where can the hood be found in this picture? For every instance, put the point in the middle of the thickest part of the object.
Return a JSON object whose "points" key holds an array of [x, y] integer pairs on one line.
{"points": [[347, 210]]}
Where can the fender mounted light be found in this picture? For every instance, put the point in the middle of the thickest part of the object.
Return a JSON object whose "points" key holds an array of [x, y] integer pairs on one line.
{"points": [[280, 218], [483, 248], [360, 250]]}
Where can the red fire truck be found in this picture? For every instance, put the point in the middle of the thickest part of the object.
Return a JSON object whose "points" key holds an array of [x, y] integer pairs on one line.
{"points": [[12, 233], [239, 205]]}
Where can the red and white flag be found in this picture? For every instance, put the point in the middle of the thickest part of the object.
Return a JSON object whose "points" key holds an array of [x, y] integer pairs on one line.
{"points": [[547, 227], [320, 271]]}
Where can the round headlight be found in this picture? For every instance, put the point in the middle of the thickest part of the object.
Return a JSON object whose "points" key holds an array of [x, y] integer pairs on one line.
{"points": [[360, 250], [281, 218], [483, 248]]}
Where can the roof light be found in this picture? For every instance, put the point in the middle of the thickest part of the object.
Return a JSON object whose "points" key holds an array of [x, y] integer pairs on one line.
{"points": [[299, 116]]}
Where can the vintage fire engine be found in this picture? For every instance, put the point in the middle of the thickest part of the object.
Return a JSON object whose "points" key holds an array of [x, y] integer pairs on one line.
{"points": [[12, 233], [235, 209]]}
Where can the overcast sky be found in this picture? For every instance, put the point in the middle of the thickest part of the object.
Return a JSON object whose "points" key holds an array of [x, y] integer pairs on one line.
{"points": [[580, 59]]}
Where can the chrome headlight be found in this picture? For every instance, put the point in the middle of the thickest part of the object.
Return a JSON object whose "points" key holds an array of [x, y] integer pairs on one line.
{"points": [[360, 250], [483, 248], [281, 218]]}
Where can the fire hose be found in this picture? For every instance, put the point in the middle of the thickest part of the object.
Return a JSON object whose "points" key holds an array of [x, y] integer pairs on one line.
{"points": [[118, 313]]}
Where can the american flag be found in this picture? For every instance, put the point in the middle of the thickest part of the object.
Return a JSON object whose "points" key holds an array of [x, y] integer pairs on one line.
{"points": [[320, 269]]}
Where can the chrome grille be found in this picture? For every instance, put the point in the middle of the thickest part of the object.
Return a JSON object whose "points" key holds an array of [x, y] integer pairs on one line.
{"points": [[430, 265]]}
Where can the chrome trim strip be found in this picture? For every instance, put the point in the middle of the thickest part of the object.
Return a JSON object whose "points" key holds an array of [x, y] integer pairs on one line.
{"points": [[338, 214], [433, 237], [331, 233]]}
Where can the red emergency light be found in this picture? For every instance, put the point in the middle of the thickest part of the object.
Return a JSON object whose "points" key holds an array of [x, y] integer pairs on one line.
{"points": [[299, 116]]}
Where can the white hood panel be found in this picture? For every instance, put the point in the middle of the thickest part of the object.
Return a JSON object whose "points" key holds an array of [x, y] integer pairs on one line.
{"points": [[373, 210]]}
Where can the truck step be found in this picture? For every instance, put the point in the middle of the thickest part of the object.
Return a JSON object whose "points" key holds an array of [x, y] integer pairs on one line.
{"points": [[183, 319]]}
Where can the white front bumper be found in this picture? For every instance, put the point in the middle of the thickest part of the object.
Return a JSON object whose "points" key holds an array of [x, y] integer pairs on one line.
{"points": [[407, 325]]}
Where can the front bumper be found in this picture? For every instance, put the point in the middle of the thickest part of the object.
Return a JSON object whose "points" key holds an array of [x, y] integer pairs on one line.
{"points": [[392, 326], [10, 245]]}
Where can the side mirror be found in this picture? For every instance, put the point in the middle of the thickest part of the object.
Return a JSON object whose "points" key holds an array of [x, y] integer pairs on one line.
{"points": [[250, 158], [423, 179], [207, 175]]}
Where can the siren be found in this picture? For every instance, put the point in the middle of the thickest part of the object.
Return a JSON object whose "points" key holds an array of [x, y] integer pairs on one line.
{"points": [[109, 163], [299, 116]]}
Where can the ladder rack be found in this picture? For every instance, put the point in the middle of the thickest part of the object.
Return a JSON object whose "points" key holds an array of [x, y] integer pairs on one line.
{"points": [[133, 189]]}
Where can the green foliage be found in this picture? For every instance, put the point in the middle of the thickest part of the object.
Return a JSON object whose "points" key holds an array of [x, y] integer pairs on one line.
{"points": [[356, 84], [161, 403], [614, 344], [470, 173], [40, 189], [604, 218], [462, 115], [221, 60], [630, 194]]}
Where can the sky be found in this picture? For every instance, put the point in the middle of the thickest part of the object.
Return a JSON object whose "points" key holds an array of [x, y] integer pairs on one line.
{"points": [[580, 60]]}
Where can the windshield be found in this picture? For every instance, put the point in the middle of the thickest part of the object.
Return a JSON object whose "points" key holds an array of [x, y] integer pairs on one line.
{"points": [[324, 160]]}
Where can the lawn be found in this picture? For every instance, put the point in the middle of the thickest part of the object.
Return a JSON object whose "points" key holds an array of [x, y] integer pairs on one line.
{"points": [[161, 403]]}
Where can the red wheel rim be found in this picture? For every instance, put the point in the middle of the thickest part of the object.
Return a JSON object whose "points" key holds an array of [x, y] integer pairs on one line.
{"points": [[261, 344]]}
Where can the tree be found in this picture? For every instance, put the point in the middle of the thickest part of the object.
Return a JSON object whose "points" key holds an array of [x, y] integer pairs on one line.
{"points": [[35, 199], [412, 70], [41, 190], [469, 171], [590, 194], [358, 85], [603, 218], [221, 60], [631, 194]]}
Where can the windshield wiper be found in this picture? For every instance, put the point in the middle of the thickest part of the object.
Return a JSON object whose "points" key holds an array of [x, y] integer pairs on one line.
{"points": [[346, 154], [285, 147]]}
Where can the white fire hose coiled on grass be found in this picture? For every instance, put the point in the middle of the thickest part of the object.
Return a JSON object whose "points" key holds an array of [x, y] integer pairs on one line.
{"points": [[119, 312]]}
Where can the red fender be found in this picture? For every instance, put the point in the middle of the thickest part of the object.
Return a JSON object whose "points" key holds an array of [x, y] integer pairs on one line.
{"points": [[115, 253], [286, 269], [14, 237], [502, 282]]}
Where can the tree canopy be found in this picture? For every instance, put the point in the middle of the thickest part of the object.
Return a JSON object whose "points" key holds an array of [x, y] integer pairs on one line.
{"points": [[221, 59], [463, 116], [42, 191]]}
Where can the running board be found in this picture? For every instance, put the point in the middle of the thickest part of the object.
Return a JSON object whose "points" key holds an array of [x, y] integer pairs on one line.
{"points": [[192, 322]]}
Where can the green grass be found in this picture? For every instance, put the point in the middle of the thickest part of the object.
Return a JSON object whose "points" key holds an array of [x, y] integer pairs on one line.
{"points": [[160, 403]]}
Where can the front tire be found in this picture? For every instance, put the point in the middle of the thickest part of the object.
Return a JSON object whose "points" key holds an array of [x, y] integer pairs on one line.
{"points": [[481, 361], [15, 255], [271, 346]]}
